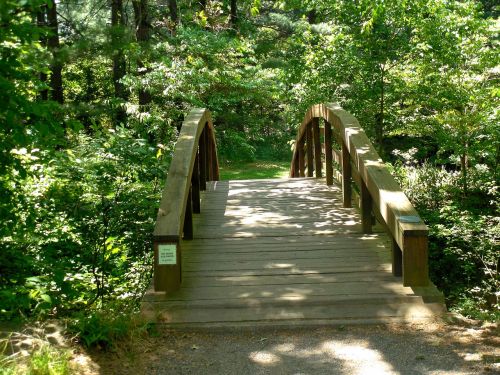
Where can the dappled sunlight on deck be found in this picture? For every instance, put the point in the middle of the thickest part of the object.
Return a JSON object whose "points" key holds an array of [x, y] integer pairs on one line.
{"points": [[275, 250]]}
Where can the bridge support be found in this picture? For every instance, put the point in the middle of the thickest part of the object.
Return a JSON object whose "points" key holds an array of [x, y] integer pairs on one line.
{"points": [[346, 177], [328, 154], [309, 150], [167, 272], [317, 148]]}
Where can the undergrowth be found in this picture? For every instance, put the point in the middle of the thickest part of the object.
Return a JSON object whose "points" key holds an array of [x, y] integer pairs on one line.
{"points": [[464, 233]]}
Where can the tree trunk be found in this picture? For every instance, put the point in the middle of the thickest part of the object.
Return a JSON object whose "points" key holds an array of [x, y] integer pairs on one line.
{"points": [[56, 82], [174, 14], [233, 18], [119, 64], [142, 32], [311, 16], [41, 21]]}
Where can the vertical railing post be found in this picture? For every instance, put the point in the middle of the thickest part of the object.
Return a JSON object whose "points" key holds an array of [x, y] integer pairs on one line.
{"points": [[309, 149], [301, 158], [208, 142], [188, 217], [295, 169], [346, 176], [167, 265], [215, 163], [415, 255], [397, 259], [366, 208], [317, 147], [202, 161], [195, 183], [328, 153]]}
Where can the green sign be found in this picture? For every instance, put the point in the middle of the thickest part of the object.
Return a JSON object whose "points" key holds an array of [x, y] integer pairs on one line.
{"points": [[167, 254]]}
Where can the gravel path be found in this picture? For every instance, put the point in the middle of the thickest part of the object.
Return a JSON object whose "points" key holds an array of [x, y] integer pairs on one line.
{"points": [[389, 349]]}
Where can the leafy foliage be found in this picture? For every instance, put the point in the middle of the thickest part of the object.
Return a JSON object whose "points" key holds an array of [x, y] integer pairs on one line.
{"points": [[83, 227], [80, 181]]}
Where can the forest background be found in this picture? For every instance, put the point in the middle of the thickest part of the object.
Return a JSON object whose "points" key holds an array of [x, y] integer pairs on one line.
{"points": [[92, 95]]}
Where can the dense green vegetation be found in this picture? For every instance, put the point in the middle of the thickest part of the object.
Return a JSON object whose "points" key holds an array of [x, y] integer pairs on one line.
{"points": [[92, 96]]}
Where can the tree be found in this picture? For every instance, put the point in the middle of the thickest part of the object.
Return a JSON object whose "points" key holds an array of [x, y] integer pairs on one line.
{"points": [[56, 82], [143, 34], [119, 63]]}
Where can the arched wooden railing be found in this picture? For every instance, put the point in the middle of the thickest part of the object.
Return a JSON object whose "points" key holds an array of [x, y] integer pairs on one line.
{"points": [[193, 164], [379, 193]]}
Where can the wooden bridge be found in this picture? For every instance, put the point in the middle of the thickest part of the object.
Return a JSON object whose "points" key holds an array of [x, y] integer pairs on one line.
{"points": [[344, 248]]}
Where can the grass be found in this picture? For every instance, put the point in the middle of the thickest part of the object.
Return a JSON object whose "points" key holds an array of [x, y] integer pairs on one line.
{"points": [[260, 169], [44, 360]]}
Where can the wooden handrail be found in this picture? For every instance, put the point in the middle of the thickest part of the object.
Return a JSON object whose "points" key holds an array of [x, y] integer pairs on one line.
{"points": [[194, 162], [379, 191]]}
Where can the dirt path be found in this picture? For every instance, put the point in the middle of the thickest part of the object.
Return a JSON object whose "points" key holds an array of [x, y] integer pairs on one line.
{"points": [[394, 349]]}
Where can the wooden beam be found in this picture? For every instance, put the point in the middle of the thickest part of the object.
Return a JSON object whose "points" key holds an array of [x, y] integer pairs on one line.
{"points": [[301, 159], [415, 265], [167, 277], [328, 153], [309, 150], [366, 208], [195, 184], [346, 177], [188, 217], [317, 147], [215, 160], [397, 259], [295, 167], [208, 159], [203, 161]]}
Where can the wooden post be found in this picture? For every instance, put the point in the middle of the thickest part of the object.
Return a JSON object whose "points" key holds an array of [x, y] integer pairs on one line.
{"points": [[208, 159], [397, 259], [346, 177], [215, 163], [328, 153], [295, 169], [210, 146], [202, 161], [188, 217], [167, 272], [366, 208], [301, 158], [415, 255], [195, 184], [309, 149], [317, 147]]}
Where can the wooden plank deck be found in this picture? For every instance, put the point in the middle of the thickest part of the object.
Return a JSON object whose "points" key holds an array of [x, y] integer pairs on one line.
{"points": [[285, 252]]}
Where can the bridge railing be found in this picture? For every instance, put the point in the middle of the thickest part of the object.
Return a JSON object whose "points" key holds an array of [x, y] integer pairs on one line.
{"points": [[194, 162], [379, 193]]}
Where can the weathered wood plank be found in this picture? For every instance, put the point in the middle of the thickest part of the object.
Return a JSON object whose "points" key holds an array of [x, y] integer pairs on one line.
{"points": [[386, 267], [344, 313], [293, 255], [199, 281]]}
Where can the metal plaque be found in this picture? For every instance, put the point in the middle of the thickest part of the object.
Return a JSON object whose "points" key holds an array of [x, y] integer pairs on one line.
{"points": [[409, 219], [167, 254]]}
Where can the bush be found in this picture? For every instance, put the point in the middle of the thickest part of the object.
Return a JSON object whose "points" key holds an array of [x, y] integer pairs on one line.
{"points": [[464, 231], [81, 232]]}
